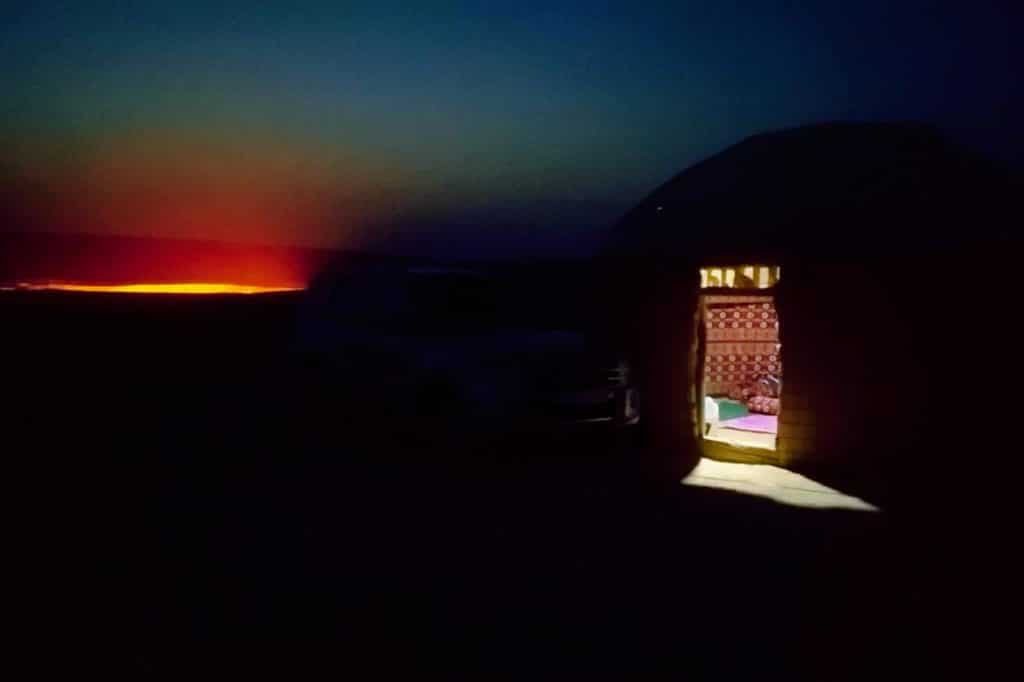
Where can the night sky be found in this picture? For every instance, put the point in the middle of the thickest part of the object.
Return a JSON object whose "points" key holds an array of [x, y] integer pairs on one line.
{"points": [[484, 128]]}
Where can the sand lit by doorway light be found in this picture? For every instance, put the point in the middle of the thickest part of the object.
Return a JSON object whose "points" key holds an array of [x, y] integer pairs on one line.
{"points": [[781, 485]]}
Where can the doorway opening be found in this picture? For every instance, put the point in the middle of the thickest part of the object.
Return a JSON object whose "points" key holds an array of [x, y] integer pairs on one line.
{"points": [[740, 357]]}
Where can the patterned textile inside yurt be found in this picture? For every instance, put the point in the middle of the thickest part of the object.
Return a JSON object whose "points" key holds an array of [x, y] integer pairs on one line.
{"points": [[742, 334]]}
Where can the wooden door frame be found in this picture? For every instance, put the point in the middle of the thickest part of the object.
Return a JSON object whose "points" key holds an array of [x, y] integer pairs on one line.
{"points": [[715, 449]]}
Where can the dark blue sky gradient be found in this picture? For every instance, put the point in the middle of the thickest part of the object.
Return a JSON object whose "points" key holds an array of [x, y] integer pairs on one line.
{"points": [[519, 126]]}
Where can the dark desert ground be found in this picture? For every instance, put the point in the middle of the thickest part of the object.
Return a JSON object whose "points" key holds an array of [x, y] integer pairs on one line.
{"points": [[203, 499]]}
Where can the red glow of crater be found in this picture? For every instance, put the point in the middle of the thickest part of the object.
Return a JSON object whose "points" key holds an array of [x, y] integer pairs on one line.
{"points": [[158, 288]]}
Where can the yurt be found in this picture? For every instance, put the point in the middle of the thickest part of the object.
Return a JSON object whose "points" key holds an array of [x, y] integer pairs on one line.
{"points": [[838, 294]]}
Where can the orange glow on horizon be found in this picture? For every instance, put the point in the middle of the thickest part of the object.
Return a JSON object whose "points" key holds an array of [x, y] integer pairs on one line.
{"points": [[160, 288]]}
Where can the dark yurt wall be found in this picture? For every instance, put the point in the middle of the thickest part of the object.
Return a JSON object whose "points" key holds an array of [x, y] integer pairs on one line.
{"points": [[853, 378]]}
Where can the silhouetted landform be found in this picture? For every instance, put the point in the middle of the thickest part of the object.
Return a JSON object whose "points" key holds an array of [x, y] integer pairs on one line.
{"points": [[543, 294], [522, 229], [106, 259]]}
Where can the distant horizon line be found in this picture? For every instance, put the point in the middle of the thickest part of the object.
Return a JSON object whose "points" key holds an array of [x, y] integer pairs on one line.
{"points": [[308, 249]]}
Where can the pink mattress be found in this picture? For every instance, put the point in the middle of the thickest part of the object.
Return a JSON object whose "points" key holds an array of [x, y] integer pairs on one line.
{"points": [[761, 423]]}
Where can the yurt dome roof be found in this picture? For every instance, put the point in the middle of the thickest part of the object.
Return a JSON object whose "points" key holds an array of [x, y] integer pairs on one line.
{"points": [[828, 190]]}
